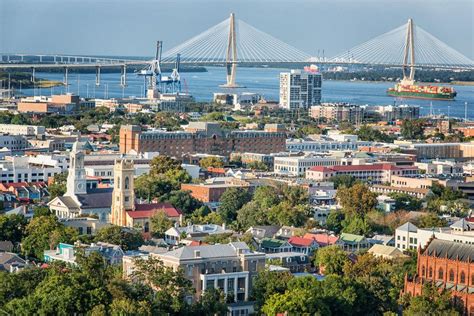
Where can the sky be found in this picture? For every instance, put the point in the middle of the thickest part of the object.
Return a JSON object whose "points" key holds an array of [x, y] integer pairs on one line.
{"points": [[131, 27]]}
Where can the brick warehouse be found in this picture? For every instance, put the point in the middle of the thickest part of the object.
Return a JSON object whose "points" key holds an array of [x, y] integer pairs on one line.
{"points": [[450, 265], [202, 137]]}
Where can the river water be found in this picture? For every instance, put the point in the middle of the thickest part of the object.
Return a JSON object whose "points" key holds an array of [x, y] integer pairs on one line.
{"points": [[265, 81]]}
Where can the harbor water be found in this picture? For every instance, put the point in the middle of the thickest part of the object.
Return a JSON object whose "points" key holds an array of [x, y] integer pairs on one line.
{"points": [[264, 81]]}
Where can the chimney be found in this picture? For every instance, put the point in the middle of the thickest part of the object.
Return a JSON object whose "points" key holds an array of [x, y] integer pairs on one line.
{"points": [[197, 253]]}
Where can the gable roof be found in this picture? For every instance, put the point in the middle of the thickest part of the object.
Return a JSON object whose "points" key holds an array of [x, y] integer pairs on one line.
{"points": [[96, 198], [301, 241], [351, 238], [408, 227], [272, 243], [450, 249], [149, 209], [384, 250], [322, 239]]}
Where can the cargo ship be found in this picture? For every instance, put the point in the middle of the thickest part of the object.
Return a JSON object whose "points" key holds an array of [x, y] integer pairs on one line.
{"points": [[408, 89]]}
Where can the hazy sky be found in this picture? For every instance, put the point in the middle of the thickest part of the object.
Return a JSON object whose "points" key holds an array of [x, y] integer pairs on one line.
{"points": [[130, 27]]}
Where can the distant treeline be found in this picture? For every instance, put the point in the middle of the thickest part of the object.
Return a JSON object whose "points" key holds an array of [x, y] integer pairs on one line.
{"points": [[444, 76]]}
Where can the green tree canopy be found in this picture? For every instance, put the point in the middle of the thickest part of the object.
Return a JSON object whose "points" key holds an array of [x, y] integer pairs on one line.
{"points": [[231, 201], [126, 238], [211, 161], [332, 259]]}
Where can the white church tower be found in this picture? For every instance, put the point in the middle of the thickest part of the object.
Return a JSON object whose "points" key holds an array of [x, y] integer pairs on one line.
{"points": [[76, 179]]}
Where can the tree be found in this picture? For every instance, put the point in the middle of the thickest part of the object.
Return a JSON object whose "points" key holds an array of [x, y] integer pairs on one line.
{"points": [[160, 223], [367, 133], [126, 238], [44, 233], [357, 199], [412, 129], [182, 200], [58, 187], [343, 180], [211, 161], [257, 165], [268, 283], [296, 302], [357, 225], [162, 164], [149, 187], [41, 211], [251, 214], [266, 196], [331, 259], [430, 220], [231, 201], [12, 227], [285, 214], [295, 195], [334, 221], [432, 301], [406, 202], [173, 285], [212, 302]]}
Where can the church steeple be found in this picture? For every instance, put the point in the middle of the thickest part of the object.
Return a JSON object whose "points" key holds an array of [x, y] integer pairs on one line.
{"points": [[123, 197], [76, 179]]}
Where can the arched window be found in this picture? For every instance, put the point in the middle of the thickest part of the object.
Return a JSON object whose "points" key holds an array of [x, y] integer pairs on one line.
{"points": [[440, 273], [451, 275], [127, 183], [423, 271], [118, 182], [430, 272], [462, 278]]}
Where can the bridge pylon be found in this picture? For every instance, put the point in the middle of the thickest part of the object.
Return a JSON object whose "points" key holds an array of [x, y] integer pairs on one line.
{"points": [[231, 55]]}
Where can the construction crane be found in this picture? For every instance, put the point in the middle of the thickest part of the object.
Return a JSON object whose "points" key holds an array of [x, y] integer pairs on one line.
{"points": [[152, 74], [172, 83]]}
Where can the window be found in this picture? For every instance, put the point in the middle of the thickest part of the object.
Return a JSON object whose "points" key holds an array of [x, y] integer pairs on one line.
{"points": [[451, 275], [127, 183], [430, 272], [440, 273], [422, 271], [89, 230], [462, 278]]}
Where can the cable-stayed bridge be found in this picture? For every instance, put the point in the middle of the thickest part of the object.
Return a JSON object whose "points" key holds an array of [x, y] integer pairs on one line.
{"points": [[234, 42]]}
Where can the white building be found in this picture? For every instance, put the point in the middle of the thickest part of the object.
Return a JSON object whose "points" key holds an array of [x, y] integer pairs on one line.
{"points": [[408, 236], [25, 130], [300, 89], [323, 144], [296, 166], [31, 169], [13, 142]]}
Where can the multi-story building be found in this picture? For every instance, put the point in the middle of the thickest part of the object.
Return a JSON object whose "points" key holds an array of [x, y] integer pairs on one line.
{"points": [[392, 112], [31, 168], [13, 142], [56, 104], [229, 267], [338, 112], [323, 145], [296, 166], [410, 182], [440, 150], [200, 137], [448, 265], [66, 253], [300, 89], [25, 130], [408, 236], [419, 193], [375, 173]]}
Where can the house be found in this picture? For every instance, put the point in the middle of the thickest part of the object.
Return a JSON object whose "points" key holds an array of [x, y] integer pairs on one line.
{"points": [[272, 245], [260, 232], [286, 232], [24, 191], [84, 225], [303, 245], [386, 240], [294, 261], [230, 267], [351, 242], [65, 252], [11, 262], [386, 252], [323, 239], [175, 234], [6, 246]]}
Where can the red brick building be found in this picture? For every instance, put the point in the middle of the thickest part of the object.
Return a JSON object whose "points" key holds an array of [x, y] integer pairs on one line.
{"points": [[450, 265], [201, 137]]}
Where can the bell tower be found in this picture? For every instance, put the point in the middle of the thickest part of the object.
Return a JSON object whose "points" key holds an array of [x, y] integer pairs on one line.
{"points": [[76, 179], [123, 196]]}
